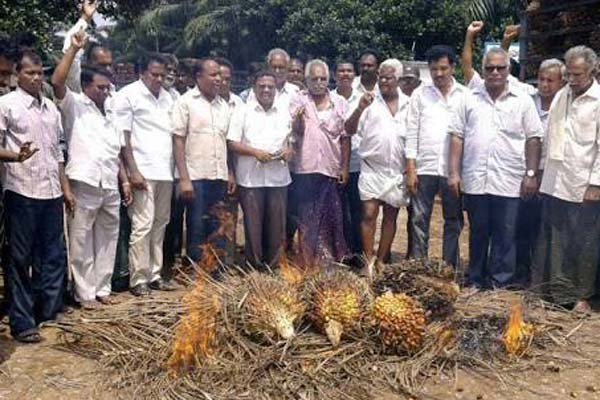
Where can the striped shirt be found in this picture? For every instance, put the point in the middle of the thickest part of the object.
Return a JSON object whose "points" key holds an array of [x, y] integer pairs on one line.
{"points": [[24, 118]]}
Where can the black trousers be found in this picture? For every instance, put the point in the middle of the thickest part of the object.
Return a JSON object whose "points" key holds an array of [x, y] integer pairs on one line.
{"points": [[36, 287]]}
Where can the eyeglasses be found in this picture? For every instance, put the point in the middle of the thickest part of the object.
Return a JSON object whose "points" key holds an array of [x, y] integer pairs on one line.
{"points": [[492, 68]]}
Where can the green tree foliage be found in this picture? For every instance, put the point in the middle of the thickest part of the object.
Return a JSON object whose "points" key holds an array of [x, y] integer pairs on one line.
{"points": [[244, 30], [35, 21]]}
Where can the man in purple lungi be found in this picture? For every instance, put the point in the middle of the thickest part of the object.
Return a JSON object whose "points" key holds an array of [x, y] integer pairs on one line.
{"points": [[318, 126]]}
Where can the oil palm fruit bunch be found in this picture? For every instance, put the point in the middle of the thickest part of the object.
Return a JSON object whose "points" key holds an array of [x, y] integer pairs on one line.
{"points": [[269, 307], [337, 302], [399, 321], [429, 282]]}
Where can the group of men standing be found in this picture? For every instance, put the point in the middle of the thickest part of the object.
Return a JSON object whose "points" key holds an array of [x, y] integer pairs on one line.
{"points": [[524, 163]]}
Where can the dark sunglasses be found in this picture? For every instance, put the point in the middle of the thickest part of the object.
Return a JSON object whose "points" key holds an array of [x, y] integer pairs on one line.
{"points": [[492, 68]]}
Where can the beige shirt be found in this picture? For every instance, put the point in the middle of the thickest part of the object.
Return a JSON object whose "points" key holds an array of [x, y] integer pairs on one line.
{"points": [[204, 124], [569, 178]]}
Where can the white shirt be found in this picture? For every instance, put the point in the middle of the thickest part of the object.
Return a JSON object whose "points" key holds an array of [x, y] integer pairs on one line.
{"points": [[427, 139], [569, 179], [494, 135], [138, 111], [264, 130], [282, 97], [544, 114], [94, 142], [352, 102], [382, 151], [234, 101]]}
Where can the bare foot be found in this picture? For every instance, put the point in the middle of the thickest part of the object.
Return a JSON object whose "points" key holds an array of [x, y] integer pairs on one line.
{"points": [[89, 305], [582, 307]]}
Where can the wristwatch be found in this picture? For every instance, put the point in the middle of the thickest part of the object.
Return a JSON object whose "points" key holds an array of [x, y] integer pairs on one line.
{"points": [[530, 173]]}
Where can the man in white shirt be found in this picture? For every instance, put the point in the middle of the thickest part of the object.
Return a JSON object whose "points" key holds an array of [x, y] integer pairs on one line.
{"points": [[142, 110], [344, 76], [93, 170], [232, 99], [431, 109], [259, 134], [278, 61], [95, 54], [566, 258], [494, 159], [382, 127]]}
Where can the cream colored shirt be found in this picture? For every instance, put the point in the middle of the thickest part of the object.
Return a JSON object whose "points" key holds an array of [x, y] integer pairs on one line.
{"points": [[569, 179], [204, 124]]}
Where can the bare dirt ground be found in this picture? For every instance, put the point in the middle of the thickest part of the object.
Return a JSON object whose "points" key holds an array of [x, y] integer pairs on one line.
{"points": [[45, 372]]}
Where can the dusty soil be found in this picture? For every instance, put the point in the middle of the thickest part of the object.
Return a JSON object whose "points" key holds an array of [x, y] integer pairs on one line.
{"points": [[45, 372]]}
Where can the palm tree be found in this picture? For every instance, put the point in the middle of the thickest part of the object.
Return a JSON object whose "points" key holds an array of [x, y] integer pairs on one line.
{"points": [[491, 10]]}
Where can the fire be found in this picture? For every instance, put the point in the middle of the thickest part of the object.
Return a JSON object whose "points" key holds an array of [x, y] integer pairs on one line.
{"points": [[196, 334], [518, 334], [290, 273], [209, 260]]}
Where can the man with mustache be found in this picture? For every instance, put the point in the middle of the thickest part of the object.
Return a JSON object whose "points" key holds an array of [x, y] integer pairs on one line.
{"points": [[431, 109], [318, 126], [494, 160]]}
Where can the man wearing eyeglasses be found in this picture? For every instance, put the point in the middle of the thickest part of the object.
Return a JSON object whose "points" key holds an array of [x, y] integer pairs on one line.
{"points": [[493, 159]]}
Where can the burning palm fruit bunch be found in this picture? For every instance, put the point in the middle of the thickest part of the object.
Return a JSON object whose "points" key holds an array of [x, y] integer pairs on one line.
{"points": [[399, 321], [519, 334], [431, 283], [196, 334], [337, 302], [268, 306]]}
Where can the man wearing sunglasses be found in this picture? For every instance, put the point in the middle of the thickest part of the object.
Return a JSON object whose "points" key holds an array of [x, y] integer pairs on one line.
{"points": [[494, 159]]}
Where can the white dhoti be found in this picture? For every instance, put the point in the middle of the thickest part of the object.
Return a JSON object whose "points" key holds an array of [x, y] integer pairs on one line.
{"points": [[387, 187]]}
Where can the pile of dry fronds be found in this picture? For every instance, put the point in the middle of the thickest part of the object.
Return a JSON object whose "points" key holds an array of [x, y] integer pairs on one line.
{"points": [[207, 346]]}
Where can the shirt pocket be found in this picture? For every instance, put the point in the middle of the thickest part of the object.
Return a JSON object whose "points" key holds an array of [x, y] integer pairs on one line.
{"points": [[584, 129]]}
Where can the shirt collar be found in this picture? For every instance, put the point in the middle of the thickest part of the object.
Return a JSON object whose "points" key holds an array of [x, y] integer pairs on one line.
{"points": [[258, 107], [482, 90], [456, 87], [147, 91], [29, 100], [197, 93]]}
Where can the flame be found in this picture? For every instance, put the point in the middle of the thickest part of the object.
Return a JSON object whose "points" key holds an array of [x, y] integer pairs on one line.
{"points": [[518, 334], [290, 273], [196, 334], [208, 261]]}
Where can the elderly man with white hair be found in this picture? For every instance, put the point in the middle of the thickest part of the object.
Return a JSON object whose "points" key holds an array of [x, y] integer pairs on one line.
{"points": [[494, 159], [381, 124], [318, 127], [278, 62], [550, 79], [566, 259]]}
